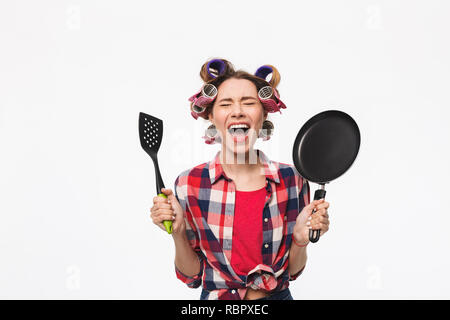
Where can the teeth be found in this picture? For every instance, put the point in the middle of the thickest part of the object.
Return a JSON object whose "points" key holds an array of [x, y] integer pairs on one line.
{"points": [[238, 129], [238, 126]]}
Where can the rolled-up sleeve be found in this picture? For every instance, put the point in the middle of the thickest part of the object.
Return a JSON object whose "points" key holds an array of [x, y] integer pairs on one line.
{"points": [[180, 188], [304, 193], [292, 277], [191, 282], [303, 201]]}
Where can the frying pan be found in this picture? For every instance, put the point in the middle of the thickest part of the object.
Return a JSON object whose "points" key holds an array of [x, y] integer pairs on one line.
{"points": [[325, 148]]}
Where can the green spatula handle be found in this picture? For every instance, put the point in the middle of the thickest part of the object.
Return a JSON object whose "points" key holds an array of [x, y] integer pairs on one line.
{"points": [[167, 223]]}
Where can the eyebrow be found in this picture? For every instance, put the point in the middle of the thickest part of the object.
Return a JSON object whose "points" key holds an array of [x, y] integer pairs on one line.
{"points": [[242, 99]]}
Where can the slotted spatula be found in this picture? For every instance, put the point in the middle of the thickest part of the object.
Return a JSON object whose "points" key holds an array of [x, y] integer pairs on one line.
{"points": [[150, 134]]}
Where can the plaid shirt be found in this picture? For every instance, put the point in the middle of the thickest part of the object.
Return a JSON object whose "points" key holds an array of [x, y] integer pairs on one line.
{"points": [[207, 197]]}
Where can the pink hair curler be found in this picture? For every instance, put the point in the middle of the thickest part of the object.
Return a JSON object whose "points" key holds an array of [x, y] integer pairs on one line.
{"points": [[202, 99], [270, 99]]}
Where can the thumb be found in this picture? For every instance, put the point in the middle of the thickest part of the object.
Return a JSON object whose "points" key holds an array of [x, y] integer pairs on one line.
{"points": [[310, 207], [168, 193]]}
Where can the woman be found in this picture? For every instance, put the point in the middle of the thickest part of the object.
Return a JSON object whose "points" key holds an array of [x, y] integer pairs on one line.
{"points": [[241, 221]]}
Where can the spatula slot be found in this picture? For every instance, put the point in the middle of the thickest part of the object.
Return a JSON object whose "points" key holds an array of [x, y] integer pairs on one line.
{"points": [[151, 132]]}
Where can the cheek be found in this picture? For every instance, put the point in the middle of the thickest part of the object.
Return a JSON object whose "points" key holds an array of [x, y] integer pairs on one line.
{"points": [[258, 117], [219, 119]]}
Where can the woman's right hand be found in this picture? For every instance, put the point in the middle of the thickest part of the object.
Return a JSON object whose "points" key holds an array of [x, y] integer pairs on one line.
{"points": [[168, 209]]}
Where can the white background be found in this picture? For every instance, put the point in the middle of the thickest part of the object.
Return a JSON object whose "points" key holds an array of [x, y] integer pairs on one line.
{"points": [[76, 187]]}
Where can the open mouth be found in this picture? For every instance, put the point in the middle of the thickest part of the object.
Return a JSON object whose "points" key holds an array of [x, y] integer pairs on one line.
{"points": [[239, 129], [239, 132]]}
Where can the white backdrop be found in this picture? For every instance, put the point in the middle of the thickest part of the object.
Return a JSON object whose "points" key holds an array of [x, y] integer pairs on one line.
{"points": [[76, 187]]}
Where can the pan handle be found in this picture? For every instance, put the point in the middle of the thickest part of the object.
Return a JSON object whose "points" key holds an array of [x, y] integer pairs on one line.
{"points": [[314, 235]]}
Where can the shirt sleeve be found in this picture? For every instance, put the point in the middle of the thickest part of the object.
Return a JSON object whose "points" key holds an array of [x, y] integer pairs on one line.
{"points": [[292, 277], [191, 233], [304, 193], [303, 201]]}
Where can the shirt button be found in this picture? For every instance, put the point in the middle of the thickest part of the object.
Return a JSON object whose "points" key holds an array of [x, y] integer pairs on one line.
{"points": [[285, 218], [265, 219], [266, 245], [233, 291]]}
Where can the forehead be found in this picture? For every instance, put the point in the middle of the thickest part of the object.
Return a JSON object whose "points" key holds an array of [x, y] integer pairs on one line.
{"points": [[236, 88]]}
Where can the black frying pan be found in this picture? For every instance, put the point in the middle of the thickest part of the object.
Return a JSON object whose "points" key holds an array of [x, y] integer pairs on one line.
{"points": [[325, 148]]}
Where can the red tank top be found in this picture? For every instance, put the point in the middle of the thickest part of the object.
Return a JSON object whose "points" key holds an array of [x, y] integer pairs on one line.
{"points": [[247, 230]]}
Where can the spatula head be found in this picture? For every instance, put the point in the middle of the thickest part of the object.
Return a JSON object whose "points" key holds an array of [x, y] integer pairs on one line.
{"points": [[150, 133]]}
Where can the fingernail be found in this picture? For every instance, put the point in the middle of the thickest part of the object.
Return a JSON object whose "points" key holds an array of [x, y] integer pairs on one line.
{"points": [[308, 223]]}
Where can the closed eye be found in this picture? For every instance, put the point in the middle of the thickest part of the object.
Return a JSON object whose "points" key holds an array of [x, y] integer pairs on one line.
{"points": [[245, 104]]}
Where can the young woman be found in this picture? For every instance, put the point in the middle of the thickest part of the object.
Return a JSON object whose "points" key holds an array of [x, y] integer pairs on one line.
{"points": [[240, 221]]}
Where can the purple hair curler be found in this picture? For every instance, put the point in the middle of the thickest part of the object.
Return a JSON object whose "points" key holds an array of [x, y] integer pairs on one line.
{"points": [[263, 72], [218, 66]]}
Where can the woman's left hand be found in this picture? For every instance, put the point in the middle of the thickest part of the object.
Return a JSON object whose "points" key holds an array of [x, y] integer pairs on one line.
{"points": [[306, 220]]}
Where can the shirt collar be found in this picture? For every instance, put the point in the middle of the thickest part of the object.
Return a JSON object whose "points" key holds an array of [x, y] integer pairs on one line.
{"points": [[216, 170]]}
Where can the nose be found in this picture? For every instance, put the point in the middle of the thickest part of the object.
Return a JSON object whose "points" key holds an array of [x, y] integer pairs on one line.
{"points": [[237, 110]]}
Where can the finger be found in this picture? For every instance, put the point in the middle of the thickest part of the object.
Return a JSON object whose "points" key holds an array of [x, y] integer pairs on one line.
{"points": [[168, 193], [324, 220], [318, 202], [164, 213], [158, 211], [163, 206], [315, 226], [171, 198], [314, 217], [323, 227], [320, 219], [162, 218], [321, 213], [311, 206], [165, 217], [159, 199], [316, 221], [324, 205], [320, 226], [158, 214]]}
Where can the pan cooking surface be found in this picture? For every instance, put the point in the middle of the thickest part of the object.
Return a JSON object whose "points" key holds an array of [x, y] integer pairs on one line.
{"points": [[326, 146]]}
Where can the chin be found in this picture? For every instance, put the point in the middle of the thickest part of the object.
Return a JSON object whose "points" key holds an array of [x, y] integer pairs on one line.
{"points": [[239, 149]]}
